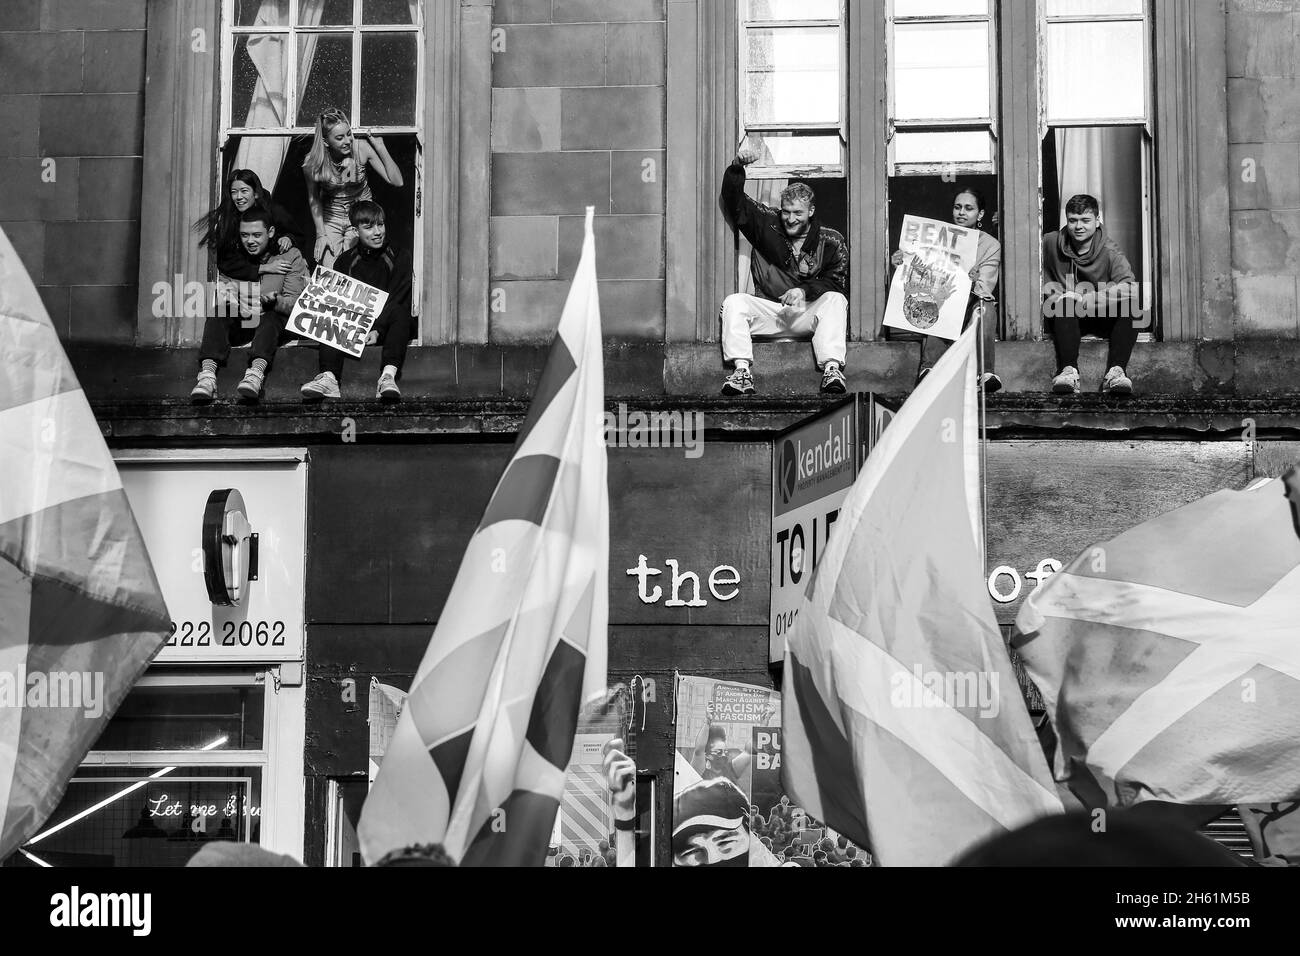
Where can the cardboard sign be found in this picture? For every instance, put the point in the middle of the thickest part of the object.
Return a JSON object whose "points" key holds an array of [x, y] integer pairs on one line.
{"points": [[931, 289], [337, 310]]}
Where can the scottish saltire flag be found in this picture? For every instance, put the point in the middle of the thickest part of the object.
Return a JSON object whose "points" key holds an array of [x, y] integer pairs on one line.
{"points": [[81, 614], [478, 758], [904, 725], [1169, 657]]}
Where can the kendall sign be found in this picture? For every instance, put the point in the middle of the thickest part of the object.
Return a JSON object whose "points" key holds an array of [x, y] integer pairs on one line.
{"points": [[813, 467]]}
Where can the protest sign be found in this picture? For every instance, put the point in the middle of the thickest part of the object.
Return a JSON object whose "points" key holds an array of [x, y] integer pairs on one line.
{"points": [[729, 808], [931, 289], [337, 310]]}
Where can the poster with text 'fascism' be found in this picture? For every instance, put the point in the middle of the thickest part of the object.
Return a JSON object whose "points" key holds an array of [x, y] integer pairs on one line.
{"points": [[729, 808], [930, 290], [337, 310]]}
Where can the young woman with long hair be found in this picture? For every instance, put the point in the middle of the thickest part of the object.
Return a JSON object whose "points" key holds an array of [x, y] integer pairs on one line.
{"points": [[335, 170], [219, 227]]}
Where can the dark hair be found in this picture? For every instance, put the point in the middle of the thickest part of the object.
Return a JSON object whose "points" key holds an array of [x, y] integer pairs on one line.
{"points": [[365, 212], [975, 194], [717, 733], [219, 224], [256, 213], [1082, 203], [418, 854]]}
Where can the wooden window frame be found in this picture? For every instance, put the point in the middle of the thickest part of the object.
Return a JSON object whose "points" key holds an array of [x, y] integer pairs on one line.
{"points": [[1192, 248], [182, 108]]}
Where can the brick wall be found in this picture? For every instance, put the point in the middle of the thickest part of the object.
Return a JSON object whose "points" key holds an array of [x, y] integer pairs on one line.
{"points": [[1264, 164], [72, 115], [577, 120]]}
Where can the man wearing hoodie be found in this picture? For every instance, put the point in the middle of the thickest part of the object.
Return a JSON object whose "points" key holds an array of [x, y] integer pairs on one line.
{"points": [[1088, 285]]}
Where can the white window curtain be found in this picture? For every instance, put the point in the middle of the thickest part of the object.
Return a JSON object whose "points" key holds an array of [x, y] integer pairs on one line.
{"points": [[1105, 162], [264, 155]]}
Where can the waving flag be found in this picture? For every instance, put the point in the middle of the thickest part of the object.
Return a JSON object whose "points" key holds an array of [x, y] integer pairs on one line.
{"points": [[478, 758], [1169, 657], [81, 614], [904, 725]]}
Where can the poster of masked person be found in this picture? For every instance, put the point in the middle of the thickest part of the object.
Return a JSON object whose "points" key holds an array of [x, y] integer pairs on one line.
{"points": [[728, 805], [930, 291]]}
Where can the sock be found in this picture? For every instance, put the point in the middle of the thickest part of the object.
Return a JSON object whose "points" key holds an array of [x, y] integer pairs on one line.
{"points": [[390, 370], [831, 364], [742, 364], [208, 365], [259, 364]]}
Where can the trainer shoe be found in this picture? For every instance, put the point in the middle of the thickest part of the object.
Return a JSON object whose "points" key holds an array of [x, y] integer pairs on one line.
{"points": [[250, 386], [324, 385], [1116, 382], [833, 379], [1067, 382], [387, 390], [990, 383], [739, 382], [205, 389]]}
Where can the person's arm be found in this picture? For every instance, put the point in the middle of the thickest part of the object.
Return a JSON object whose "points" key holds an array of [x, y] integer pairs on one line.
{"points": [[317, 215], [294, 282], [1122, 282], [399, 291], [742, 210], [988, 269], [834, 274], [232, 262], [380, 161], [620, 777]]}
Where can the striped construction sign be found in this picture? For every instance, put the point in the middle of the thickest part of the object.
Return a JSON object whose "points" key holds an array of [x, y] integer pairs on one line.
{"points": [[478, 759], [81, 613]]}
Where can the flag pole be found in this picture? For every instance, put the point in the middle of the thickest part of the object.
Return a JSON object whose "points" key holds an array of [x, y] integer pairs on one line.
{"points": [[984, 439]]}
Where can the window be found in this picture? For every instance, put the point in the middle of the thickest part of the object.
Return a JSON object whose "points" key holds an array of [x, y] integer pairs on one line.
{"points": [[793, 86], [184, 761], [1097, 97], [284, 61], [942, 87]]}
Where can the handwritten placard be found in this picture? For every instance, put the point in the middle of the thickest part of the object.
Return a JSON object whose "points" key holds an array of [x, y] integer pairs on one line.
{"points": [[337, 310], [930, 290]]}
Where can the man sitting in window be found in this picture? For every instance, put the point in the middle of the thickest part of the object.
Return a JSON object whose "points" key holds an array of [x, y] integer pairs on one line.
{"points": [[1088, 285], [800, 271]]}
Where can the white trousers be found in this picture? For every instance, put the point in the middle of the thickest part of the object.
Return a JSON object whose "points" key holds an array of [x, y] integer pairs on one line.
{"points": [[825, 318]]}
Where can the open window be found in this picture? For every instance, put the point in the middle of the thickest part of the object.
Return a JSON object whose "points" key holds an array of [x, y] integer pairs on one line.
{"points": [[284, 61], [943, 101], [1098, 101]]}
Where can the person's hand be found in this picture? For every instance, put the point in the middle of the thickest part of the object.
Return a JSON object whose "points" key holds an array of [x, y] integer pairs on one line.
{"points": [[279, 268], [372, 338], [897, 258], [747, 155], [267, 299], [620, 777], [285, 245], [321, 247], [795, 299]]}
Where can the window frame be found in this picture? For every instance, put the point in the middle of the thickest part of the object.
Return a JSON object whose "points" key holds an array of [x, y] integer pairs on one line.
{"points": [[226, 131], [938, 124], [840, 128]]}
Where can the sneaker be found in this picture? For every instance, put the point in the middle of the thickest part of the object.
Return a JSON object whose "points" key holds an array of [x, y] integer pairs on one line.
{"points": [[387, 390], [833, 379], [739, 382], [1066, 383], [250, 386], [990, 383], [324, 385], [1116, 383], [205, 389]]}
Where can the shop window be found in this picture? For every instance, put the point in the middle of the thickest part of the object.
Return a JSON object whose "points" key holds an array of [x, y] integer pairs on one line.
{"points": [[181, 763], [285, 61], [1098, 100]]}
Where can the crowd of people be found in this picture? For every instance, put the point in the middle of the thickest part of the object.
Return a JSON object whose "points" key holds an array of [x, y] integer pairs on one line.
{"points": [[799, 271]]}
